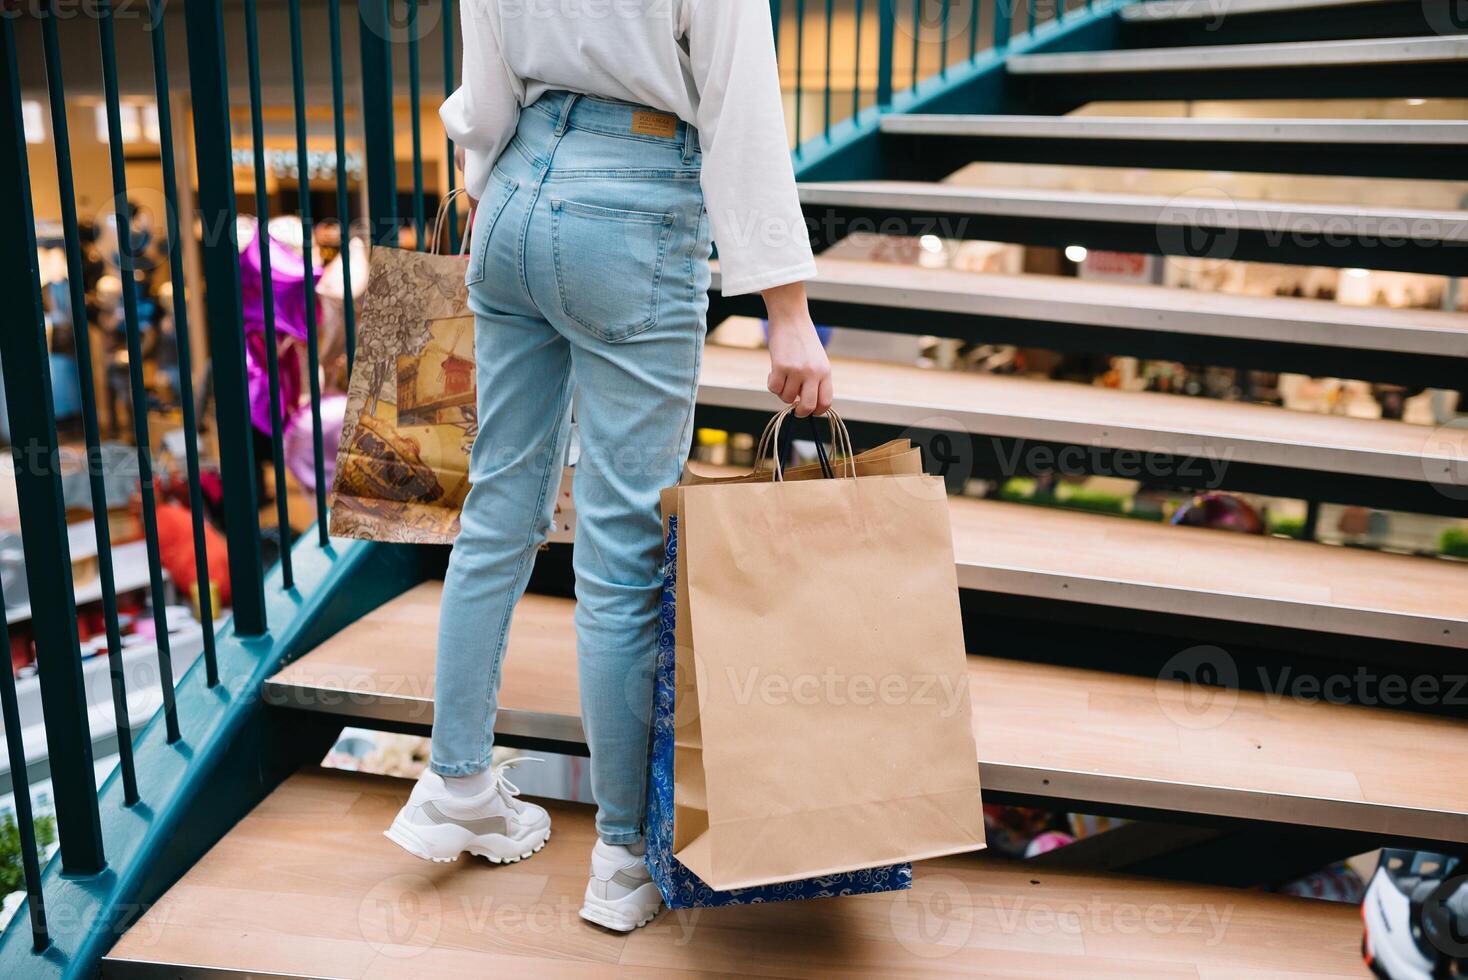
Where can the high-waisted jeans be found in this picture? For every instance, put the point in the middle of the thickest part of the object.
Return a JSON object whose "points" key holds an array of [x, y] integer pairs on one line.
{"points": [[588, 271]]}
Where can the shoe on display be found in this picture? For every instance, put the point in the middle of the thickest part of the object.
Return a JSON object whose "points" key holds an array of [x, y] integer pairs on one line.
{"points": [[437, 825], [621, 894], [1416, 917]]}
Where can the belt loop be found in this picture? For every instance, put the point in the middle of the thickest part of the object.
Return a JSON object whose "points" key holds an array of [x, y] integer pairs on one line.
{"points": [[565, 121], [690, 143]]}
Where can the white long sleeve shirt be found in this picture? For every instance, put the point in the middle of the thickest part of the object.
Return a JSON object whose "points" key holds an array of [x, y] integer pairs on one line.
{"points": [[710, 62]]}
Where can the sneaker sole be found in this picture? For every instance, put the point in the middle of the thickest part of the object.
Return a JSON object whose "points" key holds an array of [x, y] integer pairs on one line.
{"points": [[496, 849], [609, 915]]}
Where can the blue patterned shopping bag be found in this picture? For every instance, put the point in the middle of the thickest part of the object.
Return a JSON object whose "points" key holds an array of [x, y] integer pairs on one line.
{"points": [[680, 887]]}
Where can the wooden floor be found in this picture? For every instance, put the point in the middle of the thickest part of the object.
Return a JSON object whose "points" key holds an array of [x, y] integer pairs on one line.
{"points": [[307, 886], [1053, 732], [1218, 432]]}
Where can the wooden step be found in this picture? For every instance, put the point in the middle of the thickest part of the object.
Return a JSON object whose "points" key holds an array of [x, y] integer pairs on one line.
{"points": [[306, 885], [1158, 10], [1028, 408], [899, 294], [1355, 132], [1357, 67], [1162, 23], [1059, 733], [1202, 224], [1314, 54], [930, 147]]}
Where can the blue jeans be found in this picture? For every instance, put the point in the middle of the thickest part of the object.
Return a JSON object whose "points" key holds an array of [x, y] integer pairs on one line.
{"points": [[588, 272]]}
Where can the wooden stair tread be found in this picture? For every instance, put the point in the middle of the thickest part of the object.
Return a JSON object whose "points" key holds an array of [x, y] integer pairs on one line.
{"points": [[307, 885], [1223, 212], [1048, 731], [1030, 408], [1150, 11], [1293, 54], [1385, 132], [1066, 299]]}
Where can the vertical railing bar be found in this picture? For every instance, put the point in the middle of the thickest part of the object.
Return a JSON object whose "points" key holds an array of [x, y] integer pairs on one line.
{"points": [[448, 90], [9, 705], [917, 33], [415, 114], [91, 430], [826, 96], [339, 127], [1030, 15], [267, 291], [24, 357], [886, 41], [1003, 23], [122, 212], [973, 27], [20, 787], [374, 35], [308, 285], [775, 22], [799, 68], [856, 64], [943, 43], [209, 89], [182, 339]]}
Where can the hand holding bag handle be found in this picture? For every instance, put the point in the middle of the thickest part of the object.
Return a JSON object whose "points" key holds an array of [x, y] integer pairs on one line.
{"points": [[840, 439]]}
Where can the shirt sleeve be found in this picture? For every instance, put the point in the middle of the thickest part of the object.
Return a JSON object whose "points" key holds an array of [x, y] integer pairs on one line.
{"points": [[482, 114], [748, 179]]}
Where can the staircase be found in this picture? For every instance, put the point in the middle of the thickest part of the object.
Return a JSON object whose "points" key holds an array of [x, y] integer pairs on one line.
{"points": [[1254, 704]]}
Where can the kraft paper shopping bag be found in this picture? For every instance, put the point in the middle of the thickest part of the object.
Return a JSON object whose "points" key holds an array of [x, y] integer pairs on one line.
{"points": [[823, 723]]}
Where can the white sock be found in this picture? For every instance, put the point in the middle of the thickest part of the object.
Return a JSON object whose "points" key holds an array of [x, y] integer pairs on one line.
{"points": [[471, 785]]}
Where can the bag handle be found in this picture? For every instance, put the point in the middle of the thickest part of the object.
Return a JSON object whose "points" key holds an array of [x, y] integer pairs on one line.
{"points": [[840, 439], [441, 222]]}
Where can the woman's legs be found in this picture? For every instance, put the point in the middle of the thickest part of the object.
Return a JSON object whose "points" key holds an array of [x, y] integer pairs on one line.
{"points": [[524, 380], [635, 420]]}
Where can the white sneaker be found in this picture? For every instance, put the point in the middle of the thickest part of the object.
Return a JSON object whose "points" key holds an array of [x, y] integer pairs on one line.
{"points": [[621, 894], [435, 825]]}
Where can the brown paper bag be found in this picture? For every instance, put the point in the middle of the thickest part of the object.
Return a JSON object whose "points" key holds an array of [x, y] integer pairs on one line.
{"points": [[823, 717]]}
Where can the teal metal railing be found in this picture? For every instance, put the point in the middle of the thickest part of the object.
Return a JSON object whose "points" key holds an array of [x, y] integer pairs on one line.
{"points": [[845, 62]]}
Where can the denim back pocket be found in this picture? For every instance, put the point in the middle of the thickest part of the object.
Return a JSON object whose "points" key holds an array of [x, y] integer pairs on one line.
{"points": [[609, 266], [486, 216]]}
